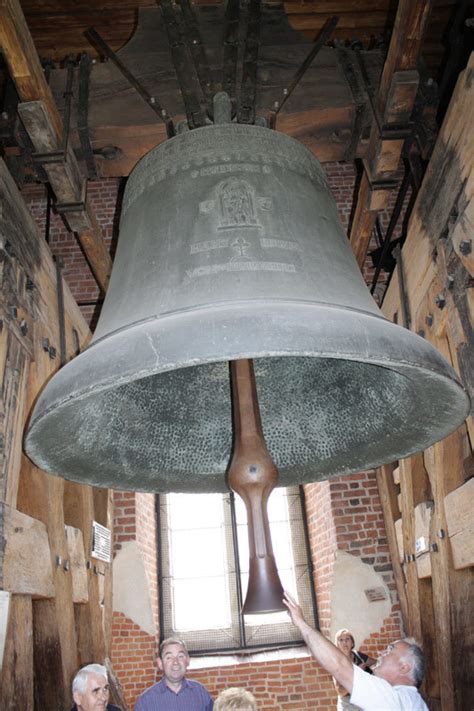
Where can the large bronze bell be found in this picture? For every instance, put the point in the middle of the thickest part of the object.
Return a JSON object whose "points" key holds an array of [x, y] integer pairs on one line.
{"points": [[231, 248]]}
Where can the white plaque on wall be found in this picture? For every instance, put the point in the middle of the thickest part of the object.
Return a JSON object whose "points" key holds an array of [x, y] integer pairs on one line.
{"points": [[101, 542], [4, 607]]}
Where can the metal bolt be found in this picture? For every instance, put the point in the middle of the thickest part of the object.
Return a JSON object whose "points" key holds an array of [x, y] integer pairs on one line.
{"points": [[12, 310], [449, 282], [441, 533], [429, 320], [465, 246], [48, 348], [66, 565], [5, 115], [285, 91], [152, 100], [164, 114], [23, 327], [29, 284], [440, 301], [276, 104], [421, 332], [59, 561], [434, 547]]}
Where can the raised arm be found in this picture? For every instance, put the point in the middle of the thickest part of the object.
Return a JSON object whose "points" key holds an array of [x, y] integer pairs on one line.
{"points": [[324, 651]]}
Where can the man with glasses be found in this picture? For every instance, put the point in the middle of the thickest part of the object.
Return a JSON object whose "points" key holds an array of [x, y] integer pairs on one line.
{"points": [[397, 674]]}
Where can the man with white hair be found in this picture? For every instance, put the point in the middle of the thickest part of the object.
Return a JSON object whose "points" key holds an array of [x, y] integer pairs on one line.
{"points": [[90, 689], [397, 674]]}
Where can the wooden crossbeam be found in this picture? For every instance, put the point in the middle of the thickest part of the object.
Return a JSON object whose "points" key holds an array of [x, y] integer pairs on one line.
{"points": [[44, 125], [393, 108], [69, 188], [23, 62]]}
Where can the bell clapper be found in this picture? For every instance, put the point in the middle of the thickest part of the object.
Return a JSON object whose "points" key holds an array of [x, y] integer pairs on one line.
{"points": [[253, 475]]}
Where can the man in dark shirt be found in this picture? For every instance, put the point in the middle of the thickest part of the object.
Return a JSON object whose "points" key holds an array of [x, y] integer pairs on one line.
{"points": [[90, 689], [174, 691]]}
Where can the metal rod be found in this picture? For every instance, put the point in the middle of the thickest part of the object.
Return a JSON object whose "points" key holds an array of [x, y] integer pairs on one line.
{"points": [[231, 48], [85, 65], [198, 53], [369, 90], [323, 37], [61, 317], [238, 577], [248, 86], [392, 224], [47, 222], [183, 61], [159, 566], [152, 101], [70, 64]]}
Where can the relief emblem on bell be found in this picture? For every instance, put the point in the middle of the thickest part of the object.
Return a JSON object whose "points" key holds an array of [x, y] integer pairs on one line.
{"points": [[239, 219], [236, 204]]}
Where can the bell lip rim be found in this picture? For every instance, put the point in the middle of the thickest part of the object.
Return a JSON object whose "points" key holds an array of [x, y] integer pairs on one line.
{"points": [[445, 371]]}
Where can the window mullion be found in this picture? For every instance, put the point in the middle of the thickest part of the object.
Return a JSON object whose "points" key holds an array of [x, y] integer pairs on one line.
{"points": [[309, 557], [238, 577]]}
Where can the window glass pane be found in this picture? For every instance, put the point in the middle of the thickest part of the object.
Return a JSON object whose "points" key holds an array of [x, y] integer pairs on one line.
{"points": [[197, 553], [194, 510], [201, 604]]}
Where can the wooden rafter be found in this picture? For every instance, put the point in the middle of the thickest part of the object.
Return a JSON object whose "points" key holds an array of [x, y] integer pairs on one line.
{"points": [[46, 130]]}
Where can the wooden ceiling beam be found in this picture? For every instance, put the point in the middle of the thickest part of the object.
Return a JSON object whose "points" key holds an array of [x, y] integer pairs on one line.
{"points": [[393, 108], [46, 133]]}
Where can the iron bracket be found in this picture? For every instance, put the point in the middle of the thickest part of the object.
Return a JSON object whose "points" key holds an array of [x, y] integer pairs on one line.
{"points": [[59, 155], [152, 101], [404, 302], [181, 56], [248, 84], [359, 96], [85, 66], [321, 40]]}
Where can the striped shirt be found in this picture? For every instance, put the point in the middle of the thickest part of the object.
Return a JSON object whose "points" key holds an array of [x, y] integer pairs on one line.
{"points": [[192, 696]]}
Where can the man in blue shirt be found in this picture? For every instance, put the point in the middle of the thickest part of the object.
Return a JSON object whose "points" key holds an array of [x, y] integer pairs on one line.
{"points": [[174, 692]]}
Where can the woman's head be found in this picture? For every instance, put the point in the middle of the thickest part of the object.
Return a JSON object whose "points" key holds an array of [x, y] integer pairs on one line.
{"points": [[235, 699], [344, 640]]}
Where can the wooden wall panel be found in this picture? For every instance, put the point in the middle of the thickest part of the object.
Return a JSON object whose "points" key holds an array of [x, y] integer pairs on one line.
{"points": [[42, 646], [438, 273]]}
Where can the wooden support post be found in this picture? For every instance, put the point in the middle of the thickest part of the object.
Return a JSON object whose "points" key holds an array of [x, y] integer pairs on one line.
{"points": [[437, 276], [415, 488], [388, 499], [43, 646], [16, 687], [453, 590], [79, 512], [394, 105]]}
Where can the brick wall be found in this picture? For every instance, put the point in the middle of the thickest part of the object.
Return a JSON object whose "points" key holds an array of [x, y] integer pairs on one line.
{"points": [[343, 514]]}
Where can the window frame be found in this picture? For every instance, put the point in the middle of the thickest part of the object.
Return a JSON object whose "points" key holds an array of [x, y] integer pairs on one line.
{"points": [[243, 646]]}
